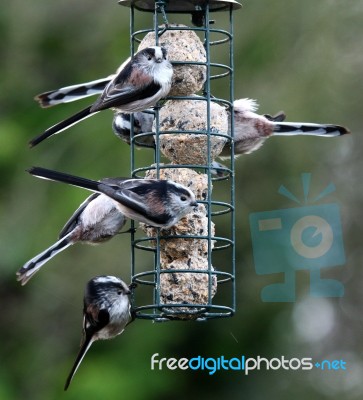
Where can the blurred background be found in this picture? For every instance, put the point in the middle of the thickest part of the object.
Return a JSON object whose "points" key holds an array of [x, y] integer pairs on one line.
{"points": [[304, 58]]}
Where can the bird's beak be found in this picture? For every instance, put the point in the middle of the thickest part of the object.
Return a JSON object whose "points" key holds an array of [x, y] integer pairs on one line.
{"points": [[194, 204], [158, 60]]}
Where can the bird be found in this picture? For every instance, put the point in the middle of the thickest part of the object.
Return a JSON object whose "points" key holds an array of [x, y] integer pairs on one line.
{"points": [[218, 170], [142, 123], [155, 202], [140, 84], [251, 129], [96, 220], [106, 313]]}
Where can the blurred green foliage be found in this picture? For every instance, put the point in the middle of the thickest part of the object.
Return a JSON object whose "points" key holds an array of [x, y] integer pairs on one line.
{"points": [[303, 57]]}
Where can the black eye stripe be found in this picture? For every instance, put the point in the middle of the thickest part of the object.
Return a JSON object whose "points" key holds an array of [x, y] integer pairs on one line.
{"points": [[150, 53], [182, 192]]}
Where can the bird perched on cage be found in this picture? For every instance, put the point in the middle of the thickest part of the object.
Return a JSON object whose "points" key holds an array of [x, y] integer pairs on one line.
{"points": [[140, 84], [96, 220], [142, 124], [106, 313], [156, 202], [251, 130]]}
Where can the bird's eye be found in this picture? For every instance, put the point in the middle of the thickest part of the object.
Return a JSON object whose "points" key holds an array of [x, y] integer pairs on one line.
{"points": [[119, 292], [183, 198], [149, 58]]}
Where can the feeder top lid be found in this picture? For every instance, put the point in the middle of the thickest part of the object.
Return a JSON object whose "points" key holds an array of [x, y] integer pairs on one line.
{"points": [[182, 6]]}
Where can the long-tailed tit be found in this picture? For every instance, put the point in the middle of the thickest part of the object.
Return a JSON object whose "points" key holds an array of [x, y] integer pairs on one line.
{"points": [[142, 123], [156, 202], [97, 220], [251, 129], [106, 312], [143, 81]]}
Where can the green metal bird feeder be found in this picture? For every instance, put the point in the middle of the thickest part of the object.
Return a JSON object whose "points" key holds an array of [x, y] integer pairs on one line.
{"points": [[177, 271]]}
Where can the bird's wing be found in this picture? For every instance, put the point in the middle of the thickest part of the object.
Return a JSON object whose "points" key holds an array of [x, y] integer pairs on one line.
{"points": [[119, 94], [138, 210], [131, 84], [73, 220], [130, 200], [95, 319]]}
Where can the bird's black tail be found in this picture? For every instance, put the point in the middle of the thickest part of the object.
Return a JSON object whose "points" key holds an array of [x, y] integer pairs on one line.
{"points": [[297, 128], [33, 266], [82, 352], [61, 126], [85, 183]]}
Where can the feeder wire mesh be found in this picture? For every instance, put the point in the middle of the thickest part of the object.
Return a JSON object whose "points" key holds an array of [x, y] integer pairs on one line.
{"points": [[174, 289]]}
